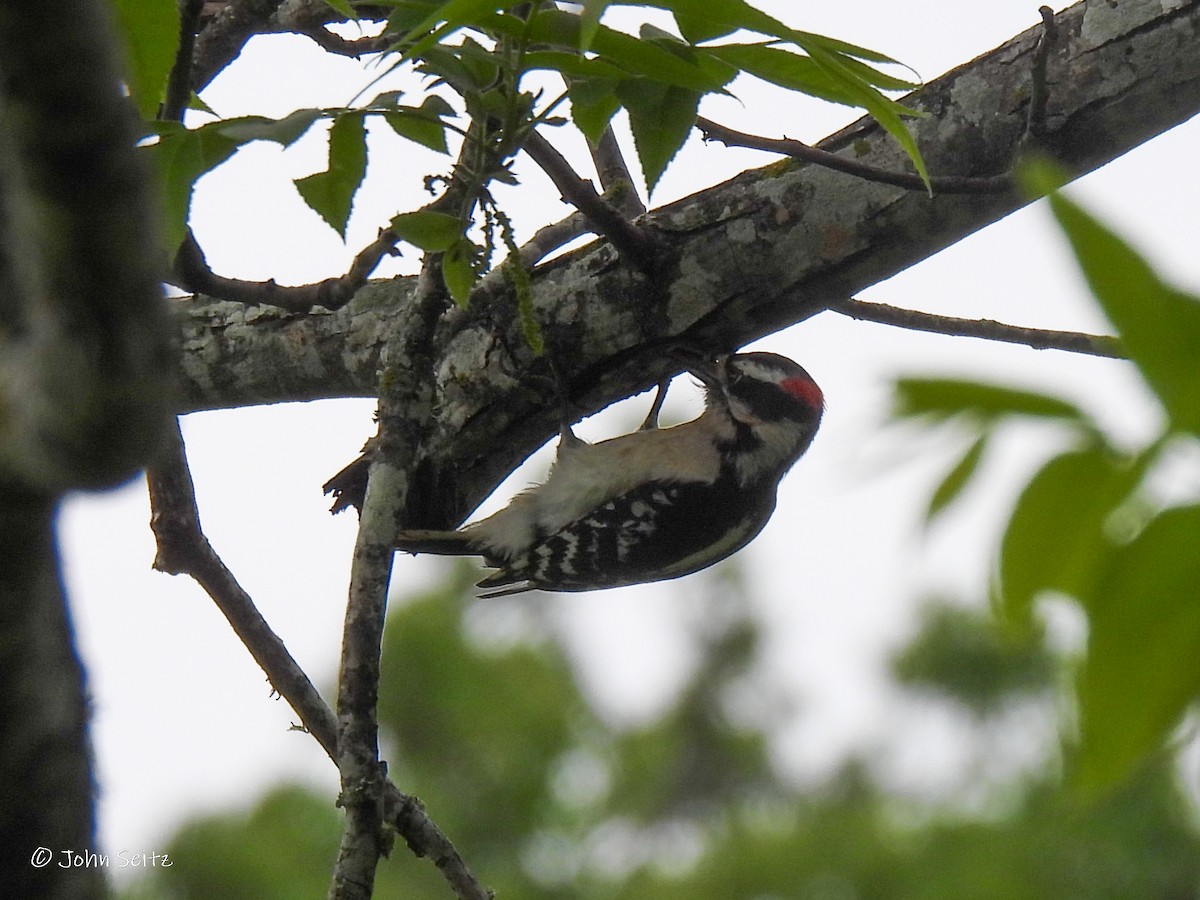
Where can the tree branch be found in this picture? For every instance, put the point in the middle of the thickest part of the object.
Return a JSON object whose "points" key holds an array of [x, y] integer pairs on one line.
{"points": [[633, 242], [764, 251], [399, 448], [179, 84], [340, 46], [988, 329], [615, 178], [226, 34], [192, 273], [941, 184], [183, 549], [1039, 93]]}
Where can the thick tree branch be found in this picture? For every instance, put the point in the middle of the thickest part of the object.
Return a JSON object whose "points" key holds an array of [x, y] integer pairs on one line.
{"points": [[766, 250], [1038, 338]]}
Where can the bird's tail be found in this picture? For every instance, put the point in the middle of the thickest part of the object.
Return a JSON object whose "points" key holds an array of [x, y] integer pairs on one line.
{"points": [[443, 543]]}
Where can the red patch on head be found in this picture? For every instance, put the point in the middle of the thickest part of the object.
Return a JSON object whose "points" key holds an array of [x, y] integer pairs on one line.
{"points": [[804, 388]]}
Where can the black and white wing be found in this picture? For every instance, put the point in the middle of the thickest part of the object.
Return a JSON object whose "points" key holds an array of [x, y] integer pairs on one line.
{"points": [[659, 530]]}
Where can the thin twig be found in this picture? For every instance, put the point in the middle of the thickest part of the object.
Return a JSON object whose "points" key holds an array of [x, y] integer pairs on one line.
{"points": [[1038, 338], [1035, 129], [340, 46], [941, 184], [630, 240], [192, 273], [545, 241], [615, 178], [183, 549]]}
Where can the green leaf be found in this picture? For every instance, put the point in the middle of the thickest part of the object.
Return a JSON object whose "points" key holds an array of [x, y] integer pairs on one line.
{"points": [[704, 17], [446, 65], [882, 80], [592, 11], [593, 104], [661, 117], [1159, 324], [458, 270], [285, 131], [1055, 539], [703, 21], [1143, 663], [808, 40], [151, 32], [573, 65], [644, 59], [880, 107], [197, 103], [956, 479], [408, 14], [433, 232], [789, 70], [181, 157], [418, 125], [342, 7], [331, 193], [443, 21], [940, 398]]}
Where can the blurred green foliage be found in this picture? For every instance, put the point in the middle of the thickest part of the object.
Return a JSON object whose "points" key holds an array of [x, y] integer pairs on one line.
{"points": [[961, 654], [1093, 523], [548, 800]]}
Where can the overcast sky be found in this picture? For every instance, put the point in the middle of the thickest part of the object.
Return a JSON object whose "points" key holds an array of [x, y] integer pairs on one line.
{"points": [[183, 719]]}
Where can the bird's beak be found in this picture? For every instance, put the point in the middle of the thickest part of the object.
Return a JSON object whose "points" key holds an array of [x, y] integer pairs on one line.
{"points": [[709, 369]]}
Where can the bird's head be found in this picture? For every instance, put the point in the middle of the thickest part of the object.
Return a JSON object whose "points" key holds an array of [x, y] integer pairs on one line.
{"points": [[773, 404]]}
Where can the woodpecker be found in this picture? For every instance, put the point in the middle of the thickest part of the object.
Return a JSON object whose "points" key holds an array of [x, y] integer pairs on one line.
{"points": [[655, 504]]}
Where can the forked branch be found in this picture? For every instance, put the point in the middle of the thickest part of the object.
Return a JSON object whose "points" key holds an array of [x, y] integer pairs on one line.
{"points": [[183, 549]]}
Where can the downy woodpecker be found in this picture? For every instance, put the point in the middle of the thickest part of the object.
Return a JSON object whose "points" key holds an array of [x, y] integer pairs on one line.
{"points": [[655, 504]]}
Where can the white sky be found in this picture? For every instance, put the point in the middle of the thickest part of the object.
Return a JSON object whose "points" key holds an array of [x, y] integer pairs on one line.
{"points": [[183, 719]]}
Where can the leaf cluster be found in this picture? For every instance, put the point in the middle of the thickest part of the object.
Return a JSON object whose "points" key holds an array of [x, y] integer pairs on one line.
{"points": [[1089, 524], [481, 56]]}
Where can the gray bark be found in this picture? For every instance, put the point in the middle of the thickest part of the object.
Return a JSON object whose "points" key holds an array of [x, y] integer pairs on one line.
{"points": [[763, 251]]}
